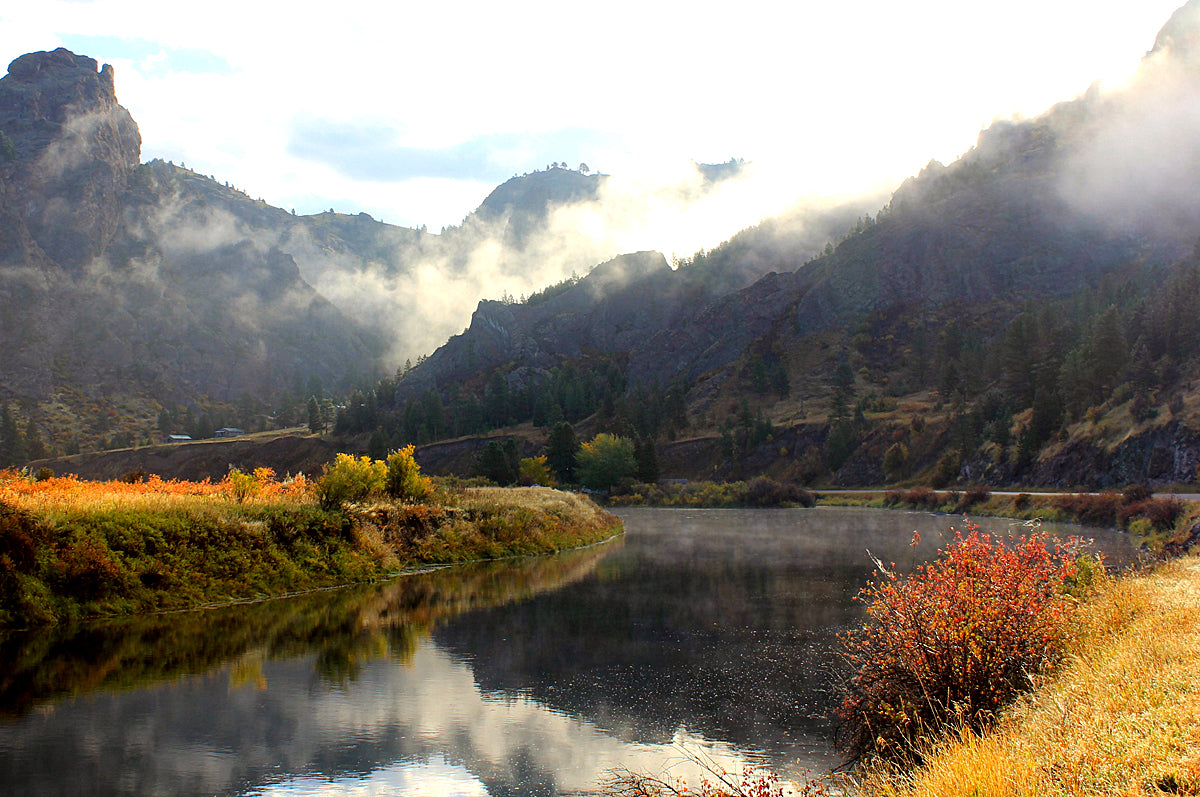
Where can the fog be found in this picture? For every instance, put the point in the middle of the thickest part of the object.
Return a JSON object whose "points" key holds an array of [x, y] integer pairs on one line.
{"points": [[1136, 161], [424, 293]]}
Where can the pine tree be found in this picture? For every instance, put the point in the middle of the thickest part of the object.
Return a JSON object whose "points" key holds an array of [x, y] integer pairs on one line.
{"points": [[646, 459], [316, 423], [561, 448], [11, 445], [34, 447]]}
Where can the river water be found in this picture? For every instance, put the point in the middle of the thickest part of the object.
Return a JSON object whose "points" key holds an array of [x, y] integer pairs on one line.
{"points": [[704, 634]]}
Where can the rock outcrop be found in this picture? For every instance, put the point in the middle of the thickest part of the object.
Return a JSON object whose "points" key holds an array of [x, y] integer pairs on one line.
{"points": [[71, 150]]}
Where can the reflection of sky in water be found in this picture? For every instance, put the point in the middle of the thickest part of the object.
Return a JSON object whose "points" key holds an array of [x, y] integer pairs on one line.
{"points": [[434, 778], [422, 727], [449, 737]]}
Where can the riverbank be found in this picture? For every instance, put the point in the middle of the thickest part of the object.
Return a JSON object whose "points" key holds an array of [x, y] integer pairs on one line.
{"points": [[1161, 524], [759, 492], [71, 548], [1121, 717]]}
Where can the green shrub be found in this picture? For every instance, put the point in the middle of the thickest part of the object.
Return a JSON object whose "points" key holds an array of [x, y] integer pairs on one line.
{"points": [[604, 461], [946, 470], [242, 485], [954, 641], [350, 479], [536, 470], [404, 480]]}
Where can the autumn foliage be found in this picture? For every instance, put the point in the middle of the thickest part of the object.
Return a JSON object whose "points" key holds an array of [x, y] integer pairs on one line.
{"points": [[954, 641]]}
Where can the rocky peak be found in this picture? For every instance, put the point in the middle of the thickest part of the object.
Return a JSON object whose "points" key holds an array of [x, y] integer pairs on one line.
{"points": [[64, 137], [64, 67]]}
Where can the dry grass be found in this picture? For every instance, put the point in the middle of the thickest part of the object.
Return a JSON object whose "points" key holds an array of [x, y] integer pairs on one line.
{"points": [[57, 496], [1121, 718], [543, 499]]}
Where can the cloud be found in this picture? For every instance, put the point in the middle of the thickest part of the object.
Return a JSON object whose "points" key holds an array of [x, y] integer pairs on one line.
{"points": [[421, 291], [1136, 162], [153, 57], [803, 87], [374, 151]]}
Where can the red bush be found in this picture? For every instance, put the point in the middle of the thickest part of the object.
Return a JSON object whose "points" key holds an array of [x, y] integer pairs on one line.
{"points": [[1161, 512], [1093, 510], [954, 641], [922, 497], [976, 494]]}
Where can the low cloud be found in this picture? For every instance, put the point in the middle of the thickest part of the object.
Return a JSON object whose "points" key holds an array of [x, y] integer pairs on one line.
{"points": [[1135, 162], [421, 289]]}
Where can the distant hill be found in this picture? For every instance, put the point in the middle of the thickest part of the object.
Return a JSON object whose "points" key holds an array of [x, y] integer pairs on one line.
{"points": [[522, 204]]}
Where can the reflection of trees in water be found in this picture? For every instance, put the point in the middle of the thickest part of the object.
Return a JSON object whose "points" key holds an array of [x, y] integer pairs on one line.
{"points": [[745, 653], [343, 627]]}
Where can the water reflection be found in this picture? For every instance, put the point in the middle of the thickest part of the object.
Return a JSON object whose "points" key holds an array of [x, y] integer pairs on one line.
{"points": [[344, 627], [709, 629]]}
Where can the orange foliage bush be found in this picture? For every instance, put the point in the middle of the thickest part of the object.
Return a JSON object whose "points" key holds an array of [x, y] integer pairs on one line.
{"points": [[954, 641]]}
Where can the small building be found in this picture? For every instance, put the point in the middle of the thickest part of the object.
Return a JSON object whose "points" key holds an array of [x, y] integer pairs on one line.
{"points": [[228, 431], [177, 438]]}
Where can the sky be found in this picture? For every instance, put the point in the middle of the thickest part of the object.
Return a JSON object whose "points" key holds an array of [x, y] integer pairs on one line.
{"points": [[413, 112]]}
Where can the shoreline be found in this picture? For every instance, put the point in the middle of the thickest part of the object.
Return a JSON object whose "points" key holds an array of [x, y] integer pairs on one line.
{"points": [[67, 556]]}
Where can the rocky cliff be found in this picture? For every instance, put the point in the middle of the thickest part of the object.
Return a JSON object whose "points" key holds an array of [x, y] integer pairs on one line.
{"points": [[70, 149], [122, 290]]}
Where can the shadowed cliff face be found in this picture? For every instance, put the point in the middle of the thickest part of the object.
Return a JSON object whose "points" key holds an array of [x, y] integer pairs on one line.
{"points": [[72, 149]]}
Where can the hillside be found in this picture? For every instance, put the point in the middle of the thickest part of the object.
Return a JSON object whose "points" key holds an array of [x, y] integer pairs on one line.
{"points": [[1020, 316]]}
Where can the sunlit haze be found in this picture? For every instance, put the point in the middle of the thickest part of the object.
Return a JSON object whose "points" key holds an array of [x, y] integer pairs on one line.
{"points": [[414, 112]]}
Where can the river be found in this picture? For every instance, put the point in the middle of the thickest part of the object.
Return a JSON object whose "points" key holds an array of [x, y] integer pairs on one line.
{"points": [[706, 633]]}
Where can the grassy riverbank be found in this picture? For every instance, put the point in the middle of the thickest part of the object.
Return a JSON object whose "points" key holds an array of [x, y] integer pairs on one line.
{"points": [[1122, 717], [70, 548]]}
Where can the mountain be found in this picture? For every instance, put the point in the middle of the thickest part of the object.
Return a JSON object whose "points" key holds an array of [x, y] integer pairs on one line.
{"points": [[123, 289], [523, 204], [1018, 316], [142, 298]]}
